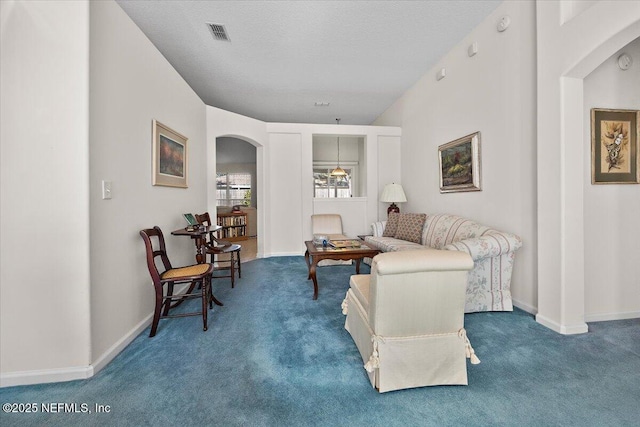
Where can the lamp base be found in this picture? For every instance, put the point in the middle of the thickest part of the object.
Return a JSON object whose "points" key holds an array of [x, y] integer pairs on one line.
{"points": [[393, 208]]}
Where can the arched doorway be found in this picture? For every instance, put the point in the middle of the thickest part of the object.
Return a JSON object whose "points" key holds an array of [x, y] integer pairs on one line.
{"points": [[236, 188], [565, 58]]}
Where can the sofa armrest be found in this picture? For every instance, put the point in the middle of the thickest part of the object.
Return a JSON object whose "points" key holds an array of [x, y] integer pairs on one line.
{"points": [[377, 228], [487, 246], [422, 260]]}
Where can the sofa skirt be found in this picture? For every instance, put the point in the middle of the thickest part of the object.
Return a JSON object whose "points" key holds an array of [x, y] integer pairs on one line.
{"points": [[405, 362]]}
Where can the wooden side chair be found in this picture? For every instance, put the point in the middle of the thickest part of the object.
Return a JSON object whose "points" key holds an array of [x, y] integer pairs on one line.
{"points": [[216, 247], [198, 274]]}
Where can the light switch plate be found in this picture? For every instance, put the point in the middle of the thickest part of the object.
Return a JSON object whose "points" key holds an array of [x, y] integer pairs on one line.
{"points": [[106, 190]]}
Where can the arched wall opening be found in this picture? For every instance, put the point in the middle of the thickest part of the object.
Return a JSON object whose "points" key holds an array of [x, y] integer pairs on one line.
{"points": [[577, 134], [236, 186], [612, 290], [257, 197], [567, 53]]}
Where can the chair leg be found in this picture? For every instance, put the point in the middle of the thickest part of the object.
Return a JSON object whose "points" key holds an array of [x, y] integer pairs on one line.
{"points": [[156, 313], [233, 271], [168, 300], [205, 298], [210, 295]]}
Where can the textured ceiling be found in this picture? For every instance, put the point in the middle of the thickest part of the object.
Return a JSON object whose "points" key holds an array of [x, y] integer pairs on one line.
{"points": [[359, 56]]}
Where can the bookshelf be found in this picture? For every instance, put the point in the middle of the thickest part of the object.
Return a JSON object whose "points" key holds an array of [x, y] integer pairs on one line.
{"points": [[234, 226]]}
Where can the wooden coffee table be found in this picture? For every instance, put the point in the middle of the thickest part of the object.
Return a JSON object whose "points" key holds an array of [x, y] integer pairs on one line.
{"points": [[317, 254]]}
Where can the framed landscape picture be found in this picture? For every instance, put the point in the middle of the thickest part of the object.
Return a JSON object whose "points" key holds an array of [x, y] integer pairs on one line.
{"points": [[614, 146], [169, 157], [460, 164]]}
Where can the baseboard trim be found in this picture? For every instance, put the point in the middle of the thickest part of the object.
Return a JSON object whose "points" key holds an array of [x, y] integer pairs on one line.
{"points": [[46, 376], [121, 344], [74, 373], [578, 328], [525, 307], [277, 254], [603, 317]]}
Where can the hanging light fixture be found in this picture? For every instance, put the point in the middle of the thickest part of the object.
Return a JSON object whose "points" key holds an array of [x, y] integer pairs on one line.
{"points": [[338, 171]]}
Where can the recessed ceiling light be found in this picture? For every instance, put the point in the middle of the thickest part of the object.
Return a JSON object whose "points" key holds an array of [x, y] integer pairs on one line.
{"points": [[321, 104]]}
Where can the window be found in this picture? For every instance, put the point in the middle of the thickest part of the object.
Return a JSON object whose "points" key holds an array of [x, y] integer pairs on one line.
{"points": [[349, 151], [233, 189], [327, 186]]}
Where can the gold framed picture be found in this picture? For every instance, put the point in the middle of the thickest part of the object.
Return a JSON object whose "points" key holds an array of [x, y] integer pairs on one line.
{"points": [[460, 164], [614, 146], [170, 157]]}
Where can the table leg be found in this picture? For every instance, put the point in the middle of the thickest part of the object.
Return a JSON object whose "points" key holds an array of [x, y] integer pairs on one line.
{"points": [[201, 258], [306, 258], [215, 300], [358, 265], [312, 272]]}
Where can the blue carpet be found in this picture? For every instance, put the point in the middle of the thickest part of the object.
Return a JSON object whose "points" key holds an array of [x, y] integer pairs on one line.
{"points": [[274, 357]]}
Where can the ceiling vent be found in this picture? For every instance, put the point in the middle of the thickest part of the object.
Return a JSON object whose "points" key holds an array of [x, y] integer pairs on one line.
{"points": [[219, 32]]}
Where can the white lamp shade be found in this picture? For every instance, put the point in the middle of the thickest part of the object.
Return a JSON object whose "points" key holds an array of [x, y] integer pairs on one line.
{"points": [[393, 193]]}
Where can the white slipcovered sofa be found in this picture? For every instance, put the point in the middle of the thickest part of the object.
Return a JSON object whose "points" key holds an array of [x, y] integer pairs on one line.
{"points": [[407, 319], [492, 251]]}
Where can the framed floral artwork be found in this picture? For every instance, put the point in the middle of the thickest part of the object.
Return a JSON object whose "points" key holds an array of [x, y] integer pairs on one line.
{"points": [[170, 157], [614, 146], [460, 164]]}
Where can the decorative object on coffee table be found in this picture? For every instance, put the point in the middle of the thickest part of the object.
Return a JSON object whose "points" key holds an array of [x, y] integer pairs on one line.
{"points": [[460, 164], [393, 193], [327, 227]]}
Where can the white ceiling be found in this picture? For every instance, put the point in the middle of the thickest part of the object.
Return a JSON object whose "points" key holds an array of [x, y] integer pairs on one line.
{"points": [[359, 56]]}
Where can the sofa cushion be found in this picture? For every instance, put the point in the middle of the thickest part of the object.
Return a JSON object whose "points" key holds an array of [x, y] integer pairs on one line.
{"points": [[443, 229], [359, 283], [410, 227], [391, 244], [392, 225]]}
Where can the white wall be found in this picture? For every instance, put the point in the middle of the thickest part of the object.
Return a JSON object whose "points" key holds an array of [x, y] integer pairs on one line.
{"points": [[44, 219], [571, 43], [233, 150], [325, 148], [285, 176], [132, 84], [80, 87], [357, 214], [285, 193], [611, 212], [492, 92]]}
